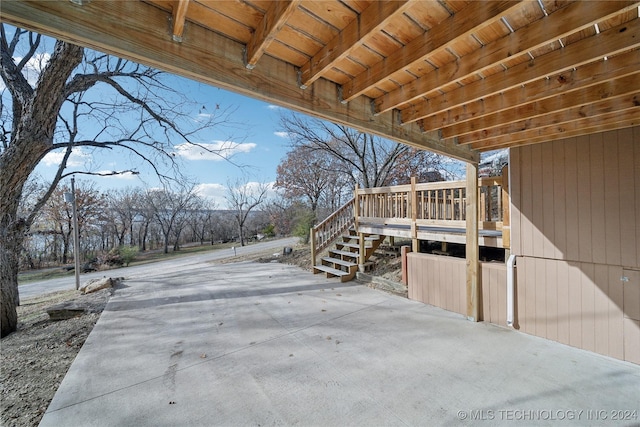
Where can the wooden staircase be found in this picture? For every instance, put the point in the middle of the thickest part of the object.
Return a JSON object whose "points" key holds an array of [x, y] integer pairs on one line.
{"points": [[349, 252]]}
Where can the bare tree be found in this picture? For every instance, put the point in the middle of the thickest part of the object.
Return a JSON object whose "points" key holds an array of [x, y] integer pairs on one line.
{"points": [[242, 197], [137, 111], [170, 211], [366, 159], [306, 173], [123, 210], [57, 216]]}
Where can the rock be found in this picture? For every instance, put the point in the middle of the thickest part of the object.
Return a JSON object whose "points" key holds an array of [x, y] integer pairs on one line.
{"points": [[94, 285], [65, 311]]}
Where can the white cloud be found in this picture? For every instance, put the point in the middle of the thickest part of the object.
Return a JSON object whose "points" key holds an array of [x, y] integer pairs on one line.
{"points": [[214, 193], [282, 134], [273, 107], [218, 150], [78, 158]]}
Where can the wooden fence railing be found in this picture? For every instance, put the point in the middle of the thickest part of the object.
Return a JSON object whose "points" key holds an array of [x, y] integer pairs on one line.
{"points": [[439, 204], [323, 234], [433, 204]]}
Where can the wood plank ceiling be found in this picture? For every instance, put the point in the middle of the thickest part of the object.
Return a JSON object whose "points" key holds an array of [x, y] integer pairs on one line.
{"points": [[455, 77]]}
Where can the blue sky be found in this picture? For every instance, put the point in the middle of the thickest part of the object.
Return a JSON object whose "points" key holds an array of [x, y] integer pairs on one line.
{"points": [[259, 146]]}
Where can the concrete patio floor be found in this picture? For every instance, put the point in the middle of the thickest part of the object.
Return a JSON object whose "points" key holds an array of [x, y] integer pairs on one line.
{"points": [[270, 344]]}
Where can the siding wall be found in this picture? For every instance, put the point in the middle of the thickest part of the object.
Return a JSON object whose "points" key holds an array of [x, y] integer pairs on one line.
{"points": [[494, 292], [578, 199], [575, 224]]}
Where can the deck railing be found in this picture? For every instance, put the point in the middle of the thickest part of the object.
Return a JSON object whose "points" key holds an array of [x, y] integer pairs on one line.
{"points": [[436, 204], [323, 234]]}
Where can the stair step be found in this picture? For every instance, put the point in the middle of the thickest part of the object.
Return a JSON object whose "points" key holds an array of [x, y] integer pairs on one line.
{"points": [[349, 245], [371, 238], [331, 270], [339, 262], [343, 253]]}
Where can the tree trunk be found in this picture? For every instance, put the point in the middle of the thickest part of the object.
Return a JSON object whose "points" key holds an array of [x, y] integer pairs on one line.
{"points": [[10, 244], [35, 114]]}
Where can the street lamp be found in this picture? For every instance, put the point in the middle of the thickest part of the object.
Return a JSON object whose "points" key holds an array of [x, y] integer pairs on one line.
{"points": [[71, 198]]}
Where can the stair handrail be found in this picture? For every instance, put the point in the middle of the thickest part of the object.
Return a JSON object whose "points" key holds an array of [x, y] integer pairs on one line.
{"points": [[326, 232]]}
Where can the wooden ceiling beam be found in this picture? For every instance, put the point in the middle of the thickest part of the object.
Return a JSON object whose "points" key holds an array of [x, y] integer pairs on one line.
{"points": [[272, 22], [610, 121], [556, 118], [137, 31], [570, 19], [577, 101], [475, 16], [591, 74], [371, 20], [608, 43], [179, 16]]}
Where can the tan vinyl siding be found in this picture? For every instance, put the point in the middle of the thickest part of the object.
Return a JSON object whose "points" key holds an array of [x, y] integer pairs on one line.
{"points": [[589, 307], [575, 228], [578, 199], [494, 292]]}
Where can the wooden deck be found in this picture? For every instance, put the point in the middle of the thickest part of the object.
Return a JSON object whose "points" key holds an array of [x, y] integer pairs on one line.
{"points": [[434, 211]]}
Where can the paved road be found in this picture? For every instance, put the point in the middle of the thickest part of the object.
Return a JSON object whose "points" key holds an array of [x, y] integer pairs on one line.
{"points": [[68, 283]]}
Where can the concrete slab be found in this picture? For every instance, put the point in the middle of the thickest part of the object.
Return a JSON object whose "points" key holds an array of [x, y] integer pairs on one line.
{"points": [[269, 344]]}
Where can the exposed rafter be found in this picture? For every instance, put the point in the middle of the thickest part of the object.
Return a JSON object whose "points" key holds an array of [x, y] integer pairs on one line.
{"points": [[608, 43], [597, 72], [605, 122], [574, 17], [454, 77], [581, 112], [195, 58], [475, 16], [269, 27], [372, 20], [570, 105], [179, 17]]}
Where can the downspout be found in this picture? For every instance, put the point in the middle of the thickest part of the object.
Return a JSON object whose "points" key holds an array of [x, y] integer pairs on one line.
{"points": [[511, 273]]}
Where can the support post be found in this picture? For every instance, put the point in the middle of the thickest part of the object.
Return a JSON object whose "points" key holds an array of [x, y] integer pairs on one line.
{"points": [[472, 250], [506, 206], [312, 242], [361, 252], [414, 216], [356, 207], [76, 234], [404, 250]]}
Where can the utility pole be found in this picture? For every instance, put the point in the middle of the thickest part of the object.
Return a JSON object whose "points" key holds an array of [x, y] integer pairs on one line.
{"points": [[76, 234]]}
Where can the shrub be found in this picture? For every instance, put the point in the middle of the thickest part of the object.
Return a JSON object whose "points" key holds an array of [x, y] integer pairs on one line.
{"points": [[304, 222], [128, 253]]}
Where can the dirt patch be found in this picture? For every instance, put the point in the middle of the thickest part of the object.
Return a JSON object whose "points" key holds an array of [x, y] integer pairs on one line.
{"points": [[37, 356]]}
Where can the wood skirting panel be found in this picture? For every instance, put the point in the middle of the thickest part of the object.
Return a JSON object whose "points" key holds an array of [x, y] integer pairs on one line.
{"points": [[578, 199], [440, 281]]}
